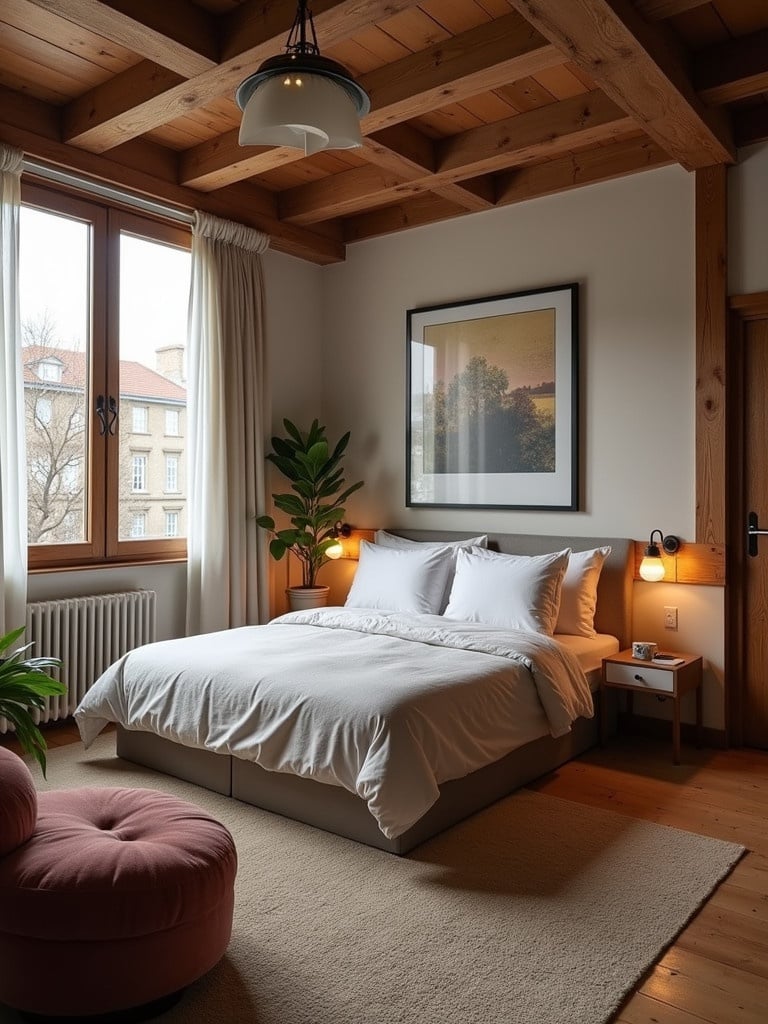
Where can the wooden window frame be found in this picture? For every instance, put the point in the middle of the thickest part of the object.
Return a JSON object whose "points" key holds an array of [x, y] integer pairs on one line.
{"points": [[103, 545]]}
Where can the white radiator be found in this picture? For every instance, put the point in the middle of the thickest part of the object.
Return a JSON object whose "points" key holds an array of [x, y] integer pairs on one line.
{"points": [[87, 634]]}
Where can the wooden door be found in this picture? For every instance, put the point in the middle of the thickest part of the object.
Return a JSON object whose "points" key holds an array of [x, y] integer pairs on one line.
{"points": [[748, 483]]}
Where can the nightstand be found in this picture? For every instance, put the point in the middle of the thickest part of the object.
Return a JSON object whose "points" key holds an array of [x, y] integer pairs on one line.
{"points": [[623, 672]]}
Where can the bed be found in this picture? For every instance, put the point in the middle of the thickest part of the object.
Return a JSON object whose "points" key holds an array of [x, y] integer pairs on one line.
{"points": [[470, 765]]}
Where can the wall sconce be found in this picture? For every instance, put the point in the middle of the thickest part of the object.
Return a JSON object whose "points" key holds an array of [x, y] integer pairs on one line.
{"points": [[652, 568], [339, 532]]}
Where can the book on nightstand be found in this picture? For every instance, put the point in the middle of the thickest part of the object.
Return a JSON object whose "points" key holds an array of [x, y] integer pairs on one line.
{"points": [[667, 659]]}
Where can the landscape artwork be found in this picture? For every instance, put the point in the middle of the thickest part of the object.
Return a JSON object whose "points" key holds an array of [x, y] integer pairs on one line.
{"points": [[492, 402]]}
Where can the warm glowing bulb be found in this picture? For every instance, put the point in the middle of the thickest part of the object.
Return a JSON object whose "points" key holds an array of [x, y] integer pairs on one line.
{"points": [[287, 81], [335, 550], [652, 569], [298, 81]]}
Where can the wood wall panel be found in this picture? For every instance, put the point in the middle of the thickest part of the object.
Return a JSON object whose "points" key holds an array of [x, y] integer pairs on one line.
{"points": [[711, 323]]}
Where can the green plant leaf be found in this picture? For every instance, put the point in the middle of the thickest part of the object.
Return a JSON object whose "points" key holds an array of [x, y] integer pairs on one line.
{"points": [[289, 503], [10, 638], [265, 522], [294, 432], [277, 549]]}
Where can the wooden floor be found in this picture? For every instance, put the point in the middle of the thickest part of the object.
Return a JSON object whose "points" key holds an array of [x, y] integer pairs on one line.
{"points": [[717, 971]]}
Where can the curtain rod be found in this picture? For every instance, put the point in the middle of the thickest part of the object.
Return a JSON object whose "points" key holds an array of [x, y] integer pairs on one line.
{"points": [[112, 192]]}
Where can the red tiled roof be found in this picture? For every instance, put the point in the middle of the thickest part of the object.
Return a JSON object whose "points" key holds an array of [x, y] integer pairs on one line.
{"points": [[136, 380]]}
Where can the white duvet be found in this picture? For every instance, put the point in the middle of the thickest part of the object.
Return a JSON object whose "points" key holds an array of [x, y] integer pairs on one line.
{"points": [[386, 705]]}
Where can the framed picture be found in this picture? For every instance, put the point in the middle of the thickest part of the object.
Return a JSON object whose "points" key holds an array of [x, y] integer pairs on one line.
{"points": [[493, 402]]}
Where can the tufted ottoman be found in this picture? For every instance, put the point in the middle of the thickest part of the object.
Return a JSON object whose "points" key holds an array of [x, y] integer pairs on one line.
{"points": [[118, 897]]}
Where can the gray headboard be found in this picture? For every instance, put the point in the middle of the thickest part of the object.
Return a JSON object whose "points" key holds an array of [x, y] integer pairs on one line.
{"points": [[614, 592]]}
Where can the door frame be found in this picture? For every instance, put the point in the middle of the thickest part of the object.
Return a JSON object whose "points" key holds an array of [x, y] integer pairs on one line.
{"points": [[742, 309]]}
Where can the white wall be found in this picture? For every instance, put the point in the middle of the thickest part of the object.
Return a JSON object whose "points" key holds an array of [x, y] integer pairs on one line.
{"points": [[630, 245], [295, 368]]}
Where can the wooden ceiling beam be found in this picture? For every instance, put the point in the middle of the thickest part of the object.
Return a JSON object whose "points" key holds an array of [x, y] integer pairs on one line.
{"points": [[733, 70], [641, 67], [522, 138], [151, 170], [113, 113], [612, 161], [531, 136], [176, 34], [587, 167], [222, 161], [479, 60], [403, 150], [412, 213]]}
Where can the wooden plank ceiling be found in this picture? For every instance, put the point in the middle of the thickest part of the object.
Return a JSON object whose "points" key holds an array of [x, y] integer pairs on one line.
{"points": [[474, 103]]}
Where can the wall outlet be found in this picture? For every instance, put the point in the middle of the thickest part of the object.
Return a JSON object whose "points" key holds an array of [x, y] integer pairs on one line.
{"points": [[670, 617]]}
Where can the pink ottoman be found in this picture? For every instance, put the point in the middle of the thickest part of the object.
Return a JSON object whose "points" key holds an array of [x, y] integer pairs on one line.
{"points": [[118, 898]]}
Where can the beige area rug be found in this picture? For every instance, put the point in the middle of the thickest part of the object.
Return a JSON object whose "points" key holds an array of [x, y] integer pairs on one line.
{"points": [[535, 911]]}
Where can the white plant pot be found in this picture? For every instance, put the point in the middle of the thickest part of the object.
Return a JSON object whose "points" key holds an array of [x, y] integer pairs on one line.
{"points": [[301, 598]]}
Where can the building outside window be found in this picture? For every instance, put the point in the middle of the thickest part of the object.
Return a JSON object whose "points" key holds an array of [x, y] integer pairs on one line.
{"points": [[139, 474], [140, 419], [139, 524]]}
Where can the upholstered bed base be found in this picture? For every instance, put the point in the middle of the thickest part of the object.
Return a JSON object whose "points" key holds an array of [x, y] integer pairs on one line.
{"points": [[343, 813], [337, 810]]}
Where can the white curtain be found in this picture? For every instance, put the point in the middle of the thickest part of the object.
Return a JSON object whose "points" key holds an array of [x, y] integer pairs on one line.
{"points": [[13, 478], [227, 572]]}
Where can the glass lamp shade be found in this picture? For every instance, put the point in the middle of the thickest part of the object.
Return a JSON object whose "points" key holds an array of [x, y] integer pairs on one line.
{"points": [[334, 551], [300, 110], [652, 569]]}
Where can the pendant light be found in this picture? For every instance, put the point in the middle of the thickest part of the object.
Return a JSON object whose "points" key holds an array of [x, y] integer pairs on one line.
{"points": [[300, 99]]}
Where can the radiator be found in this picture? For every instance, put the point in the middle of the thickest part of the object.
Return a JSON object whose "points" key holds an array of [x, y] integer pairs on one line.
{"points": [[87, 634]]}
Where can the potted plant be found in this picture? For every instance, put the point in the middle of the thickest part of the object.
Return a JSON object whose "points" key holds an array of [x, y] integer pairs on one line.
{"points": [[24, 685], [315, 505]]}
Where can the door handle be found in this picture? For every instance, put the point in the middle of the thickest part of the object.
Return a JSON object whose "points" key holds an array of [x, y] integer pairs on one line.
{"points": [[753, 532], [101, 412]]}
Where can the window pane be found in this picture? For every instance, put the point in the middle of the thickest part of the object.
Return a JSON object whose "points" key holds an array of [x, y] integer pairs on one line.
{"points": [[154, 295], [140, 419], [54, 279]]}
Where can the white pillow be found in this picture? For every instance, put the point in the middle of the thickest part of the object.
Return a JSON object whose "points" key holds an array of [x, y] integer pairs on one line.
{"points": [[578, 598], [395, 580], [391, 540], [512, 591]]}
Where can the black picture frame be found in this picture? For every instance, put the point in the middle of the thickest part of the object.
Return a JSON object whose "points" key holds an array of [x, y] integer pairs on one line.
{"points": [[493, 402]]}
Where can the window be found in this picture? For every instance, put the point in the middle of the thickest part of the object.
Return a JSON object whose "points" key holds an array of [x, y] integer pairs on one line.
{"points": [[171, 524], [172, 422], [104, 297], [139, 475], [43, 412], [140, 419], [172, 473], [49, 369]]}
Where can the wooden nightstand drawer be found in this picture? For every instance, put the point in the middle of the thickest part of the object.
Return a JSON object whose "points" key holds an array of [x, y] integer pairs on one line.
{"points": [[638, 675]]}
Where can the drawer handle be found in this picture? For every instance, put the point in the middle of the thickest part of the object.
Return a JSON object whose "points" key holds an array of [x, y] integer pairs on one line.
{"points": [[639, 678]]}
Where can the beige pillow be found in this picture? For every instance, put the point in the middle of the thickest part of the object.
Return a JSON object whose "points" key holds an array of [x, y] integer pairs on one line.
{"points": [[578, 597]]}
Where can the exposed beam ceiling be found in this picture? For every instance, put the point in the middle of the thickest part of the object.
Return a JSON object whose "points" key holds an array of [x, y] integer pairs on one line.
{"points": [[475, 104]]}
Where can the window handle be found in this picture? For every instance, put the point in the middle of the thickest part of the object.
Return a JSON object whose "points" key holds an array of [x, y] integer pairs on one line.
{"points": [[113, 414], [102, 414]]}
